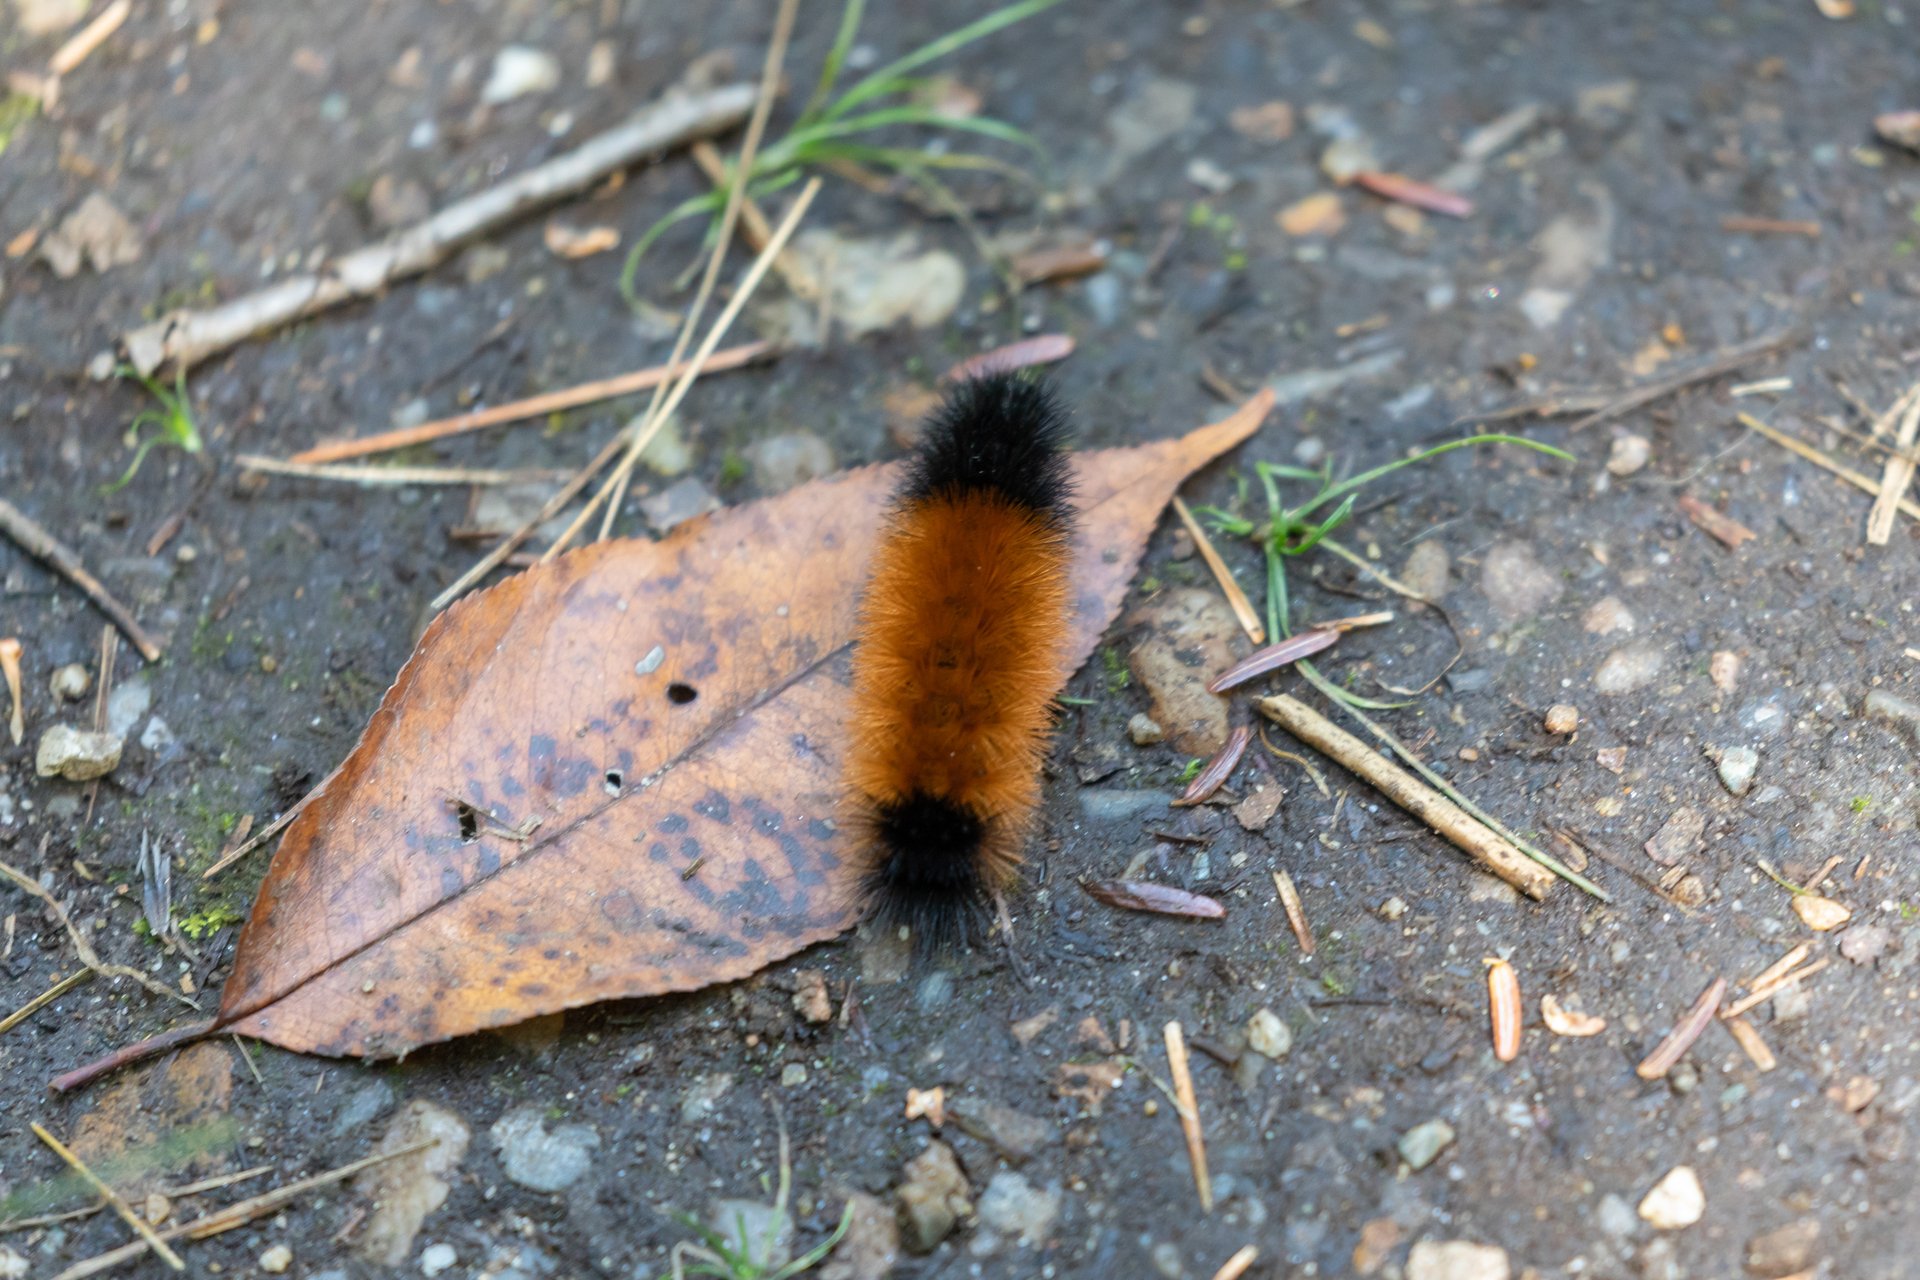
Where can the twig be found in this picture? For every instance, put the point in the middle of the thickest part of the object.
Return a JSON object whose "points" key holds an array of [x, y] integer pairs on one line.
{"points": [[81, 46], [113, 1198], [42, 1000], [638, 443], [88, 956], [1188, 1107], [1296, 911], [187, 337], [1781, 967], [1795, 445], [657, 409], [241, 1213], [1236, 1266], [1749, 1039], [152, 1046], [37, 542], [531, 407], [261, 837], [1670, 1050], [1601, 406], [216, 1182], [1897, 472], [375, 474], [1452, 822], [754, 227], [1760, 995], [1242, 607]]}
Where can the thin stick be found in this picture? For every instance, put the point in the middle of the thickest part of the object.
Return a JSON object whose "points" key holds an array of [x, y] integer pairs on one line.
{"points": [[1795, 445], [215, 1183], [1749, 1039], [1670, 1050], [187, 337], [272, 829], [113, 1198], [1243, 609], [1296, 911], [532, 407], [638, 444], [1781, 967], [1896, 474], [1446, 818], [40, 544], [241, 1213], [88, 956], [375, 474], [1188, 1107], [140, 1050], [754, 227], [77, 50], [511, 543], [1728, 361], [42, 1000], [1236, 1266], [1760, 995], [729, 216], [1740, 223]]}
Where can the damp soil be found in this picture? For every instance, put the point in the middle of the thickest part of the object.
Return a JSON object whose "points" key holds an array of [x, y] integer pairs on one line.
{"points": [[241, 138]]}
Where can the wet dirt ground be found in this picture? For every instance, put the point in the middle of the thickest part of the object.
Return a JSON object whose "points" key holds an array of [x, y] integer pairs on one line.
{"points": [[241, 139]]}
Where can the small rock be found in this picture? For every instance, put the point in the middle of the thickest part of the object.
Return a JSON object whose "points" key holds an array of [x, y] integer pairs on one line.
{"points": [[1608, 616], [1515, 583], [1626, 669], [1428, 570], [1268, 1036], [96, 232], [483, 262], [1679, 837], [1737, 767], [1303, 385], [1457, 1260], [1628, 454], [758, 1234], [44, 17], [1616, 1217], [1818, 913], [1901, 128], [1190, 637], [681, 501], [871, 1247], [1791, 1005], [793, 1075], [436, 1258], [404, 1190], [1319, 214], [394, 203], [71, 682], [1014, 1134], [933, 1198], [1894, 709], [810, 996], [876, 283], [1013, 1207], [1562, 718], [157, 738], [1724, 670], [128, 705], [1268, 122], [1117, 806], [1145, 730], [540, 1159], [78, 755], [1027, 1028], [1865, 943], [518, 71], [276, 1259], [1345, 157], [788, 460], [1784, 1250], [1151, 114], [1379, 1237], [667, 455], [1421, 1145], [361, 1107], [1393, 908], [1208, 176], [1260, 806], [703, 1096], [1676, 1201], [13, 1266]]}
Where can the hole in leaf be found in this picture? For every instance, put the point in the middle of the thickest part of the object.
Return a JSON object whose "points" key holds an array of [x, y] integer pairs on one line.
{"points": [[469, 822], [614, 779], [681, 694]]}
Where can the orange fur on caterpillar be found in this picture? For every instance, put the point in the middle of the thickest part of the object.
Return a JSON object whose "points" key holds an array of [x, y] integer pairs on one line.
{"points": [[960, 651]]}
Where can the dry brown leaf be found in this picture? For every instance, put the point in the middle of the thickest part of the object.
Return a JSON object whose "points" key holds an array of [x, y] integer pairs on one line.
{"points": [[1154, 899], [1089, 1083], [1569, 1022], [1319, 214], [670, 713]]}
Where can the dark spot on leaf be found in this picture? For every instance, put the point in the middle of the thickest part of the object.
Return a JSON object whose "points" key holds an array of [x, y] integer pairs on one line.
{"points": [[673, 823], [714, 806], [542, 747]]}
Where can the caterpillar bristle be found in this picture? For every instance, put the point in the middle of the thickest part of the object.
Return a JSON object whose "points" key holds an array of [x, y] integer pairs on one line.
{"points": [[960, 650]]}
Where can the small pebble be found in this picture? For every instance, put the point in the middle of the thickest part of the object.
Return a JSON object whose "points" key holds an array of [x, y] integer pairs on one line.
{"points": [[1628, 454], [1145, 730], [1457, 1260], [1562, 718], [436, 1258], [1865, 943], [519, 71], [1268, 1036], [78, 755], [71, 682], [1607, 616], [1724, 670], [1393, 909], [276, 1259], [1629, 668], [1676, 1201], [1422, 1144], [793, 1075], [1737, 767]]}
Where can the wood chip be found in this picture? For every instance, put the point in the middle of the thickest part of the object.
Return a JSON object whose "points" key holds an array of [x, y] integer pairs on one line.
{"points": [[1749, 1040], [1503, 1009], [1156, 899], [1569, 1022], [1411, 191], [1236, 1266], [1669, 1051], [1722, 528], [1896, 475], [1058, 262], [1781, 967], [1189, 1108], [1296, 911], [1760, 995]]}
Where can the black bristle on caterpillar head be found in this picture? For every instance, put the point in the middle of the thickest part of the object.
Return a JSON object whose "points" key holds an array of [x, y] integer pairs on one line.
{"points": [[1003, 433], [929, 879]]}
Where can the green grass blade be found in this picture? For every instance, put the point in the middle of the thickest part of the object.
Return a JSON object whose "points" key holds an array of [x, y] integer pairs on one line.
{"points": [[924, 117], [1320, 531], [709, 204], [879, 83], [836, 58], [1368, 477], [1345, 697]]}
